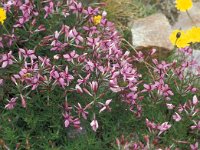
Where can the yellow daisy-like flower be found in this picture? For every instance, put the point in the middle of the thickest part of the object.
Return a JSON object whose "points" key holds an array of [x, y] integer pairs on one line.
{"points": [[97, 19], [2, 15], [183, 5], [179, 38], [194, 34], [175, 35]]}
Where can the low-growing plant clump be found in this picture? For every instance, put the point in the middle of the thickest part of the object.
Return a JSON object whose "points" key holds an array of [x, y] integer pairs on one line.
{"points": [[63, 74]]}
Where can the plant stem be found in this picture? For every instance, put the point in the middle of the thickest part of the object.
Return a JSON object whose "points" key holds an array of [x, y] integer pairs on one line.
{"points": [[191, 18]]}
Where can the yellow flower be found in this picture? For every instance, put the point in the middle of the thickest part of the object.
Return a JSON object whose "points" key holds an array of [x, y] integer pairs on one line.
{"points": [[175, 35], [179, 38], [194, 34], [183, 5], [2, 15], [97, 19]]}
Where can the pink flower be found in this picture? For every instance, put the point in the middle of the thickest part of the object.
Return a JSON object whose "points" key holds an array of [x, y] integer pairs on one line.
{"points": [[78, 89], [40, 28], [65, 30], [93, 42], [63, 78], [128, 72], [76, 123], [94, 125], [139, 56], [91, 30], [27, 53], [6, 59], [21, 22], [68, 119], [17, 3], [163, 89], [35, 82], [56, 57], [1, 42], [163, 127], [90, 66], [28, 12], [76, 36], [1, 82], [170, 106], [76, 7], [45, 62], [94, 86], [194, 146], [132, 97], [192, 89], [83, 80], [152, 51], [87, 92], [150, 125], [56, 44], [23, 101], [66, 107], [71, 56], [7, 6], [49, 9], [176, 117], [91, 12], [195, 100], [148, 87], [196, 126], [62, 82], [26, 8], [114, 85], [9, 39], [186, 50], [11, 104], [81, 111], [65, 75], [105, 106]]}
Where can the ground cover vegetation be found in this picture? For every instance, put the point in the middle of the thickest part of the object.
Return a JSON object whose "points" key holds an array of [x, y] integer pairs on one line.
{"points": [[66, 82]]}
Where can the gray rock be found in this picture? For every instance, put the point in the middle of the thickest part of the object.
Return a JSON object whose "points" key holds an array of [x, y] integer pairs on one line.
{"points": [[184, 21], [152, 31], [196, 57]]}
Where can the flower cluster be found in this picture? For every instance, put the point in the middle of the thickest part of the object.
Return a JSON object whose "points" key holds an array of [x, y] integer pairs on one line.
{"points": [[183, 38], [162, 93], [160, 128], [83, 59]]}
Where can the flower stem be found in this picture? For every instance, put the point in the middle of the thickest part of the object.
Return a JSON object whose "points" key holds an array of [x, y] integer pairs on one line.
{"points": [[191, 18]]}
